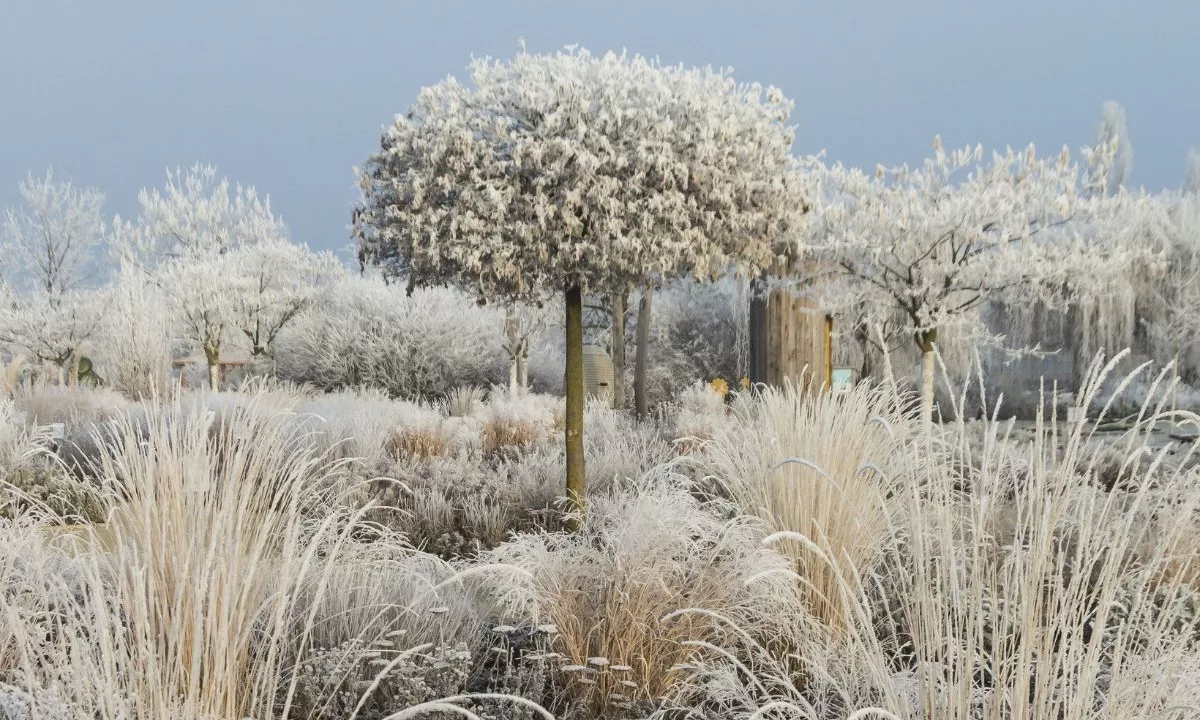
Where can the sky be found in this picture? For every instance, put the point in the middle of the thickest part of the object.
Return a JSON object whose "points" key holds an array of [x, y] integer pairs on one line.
{"points": [[290, 96]]}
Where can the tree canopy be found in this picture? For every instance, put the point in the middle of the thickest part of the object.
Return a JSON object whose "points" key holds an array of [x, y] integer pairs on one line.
{"points": [[551, 171]]}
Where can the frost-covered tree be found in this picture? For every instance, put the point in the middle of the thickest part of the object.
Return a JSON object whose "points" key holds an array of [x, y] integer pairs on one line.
{"points": [[50, 249], [1172, 312], [1191, 181], [569, 173], [273, 281], [200, 292], [53, 241], [51, 328], [221, 258], [933, 244], [198, 214], [1114, 131]]}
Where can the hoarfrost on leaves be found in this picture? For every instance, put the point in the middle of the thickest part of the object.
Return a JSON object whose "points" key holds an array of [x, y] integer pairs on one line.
{"points": [[549, 171]]}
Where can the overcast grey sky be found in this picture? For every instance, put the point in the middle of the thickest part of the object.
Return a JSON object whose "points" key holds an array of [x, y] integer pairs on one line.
{"points": [[289, 96]]}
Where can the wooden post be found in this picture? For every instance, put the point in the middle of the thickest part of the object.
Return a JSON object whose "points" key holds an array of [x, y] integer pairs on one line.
{"points": [[798, 341], [828, 353]]}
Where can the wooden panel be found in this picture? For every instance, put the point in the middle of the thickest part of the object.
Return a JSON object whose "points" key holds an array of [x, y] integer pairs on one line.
{"points": [[796, 342]]}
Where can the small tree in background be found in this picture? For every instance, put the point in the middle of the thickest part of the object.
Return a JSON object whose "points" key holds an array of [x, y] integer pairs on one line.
{"points": [[1191, 180], [272, 282], [934, 244], [569, 173], [1113, 132], [222, 260], [49, 248]]}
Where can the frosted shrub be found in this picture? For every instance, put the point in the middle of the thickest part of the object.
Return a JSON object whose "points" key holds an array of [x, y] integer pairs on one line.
{"points": [[638, 557], [368, 334], [135, 355], [373, 680], [516, 422], [464, 401], [696, 330]]}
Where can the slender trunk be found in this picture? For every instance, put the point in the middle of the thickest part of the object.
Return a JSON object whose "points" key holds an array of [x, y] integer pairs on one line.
{"points": [[864, 342], [523, 367], [575, 402], [618, 350], [641, 401], [73, 372], [213, 356], [1080, 339], [512, 331], [927, 341]]}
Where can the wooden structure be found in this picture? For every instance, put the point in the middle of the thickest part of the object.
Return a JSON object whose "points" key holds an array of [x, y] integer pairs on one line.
{"points": [[181, 364], [791, 339], [597, 373]]}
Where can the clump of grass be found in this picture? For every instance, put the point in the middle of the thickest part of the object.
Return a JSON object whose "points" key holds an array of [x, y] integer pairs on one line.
{"points": [[225, 567], [464, 401], [12, 376], [505, 437], [1026, 593], [638, 557], [418, 443], [819, 468]]}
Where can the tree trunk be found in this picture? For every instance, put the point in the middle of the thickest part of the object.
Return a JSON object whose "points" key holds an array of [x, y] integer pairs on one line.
{"points": [[523, 367], [512, 331], [213, 356], [514, 375], [927, 341], [618, 350], [73, 372], [1078, 326], [641, 401], [575, 401]]}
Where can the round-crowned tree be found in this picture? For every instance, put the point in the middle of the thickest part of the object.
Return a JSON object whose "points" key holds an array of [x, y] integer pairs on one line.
{"points": [[570, 173]]}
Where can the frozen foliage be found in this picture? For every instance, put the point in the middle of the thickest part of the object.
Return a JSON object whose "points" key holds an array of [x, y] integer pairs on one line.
{"points": [[1113, 130], [553, 171], [197, 214], [52, 243], [49, 253], [135, 357], [368, 334], [931, 246]]}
